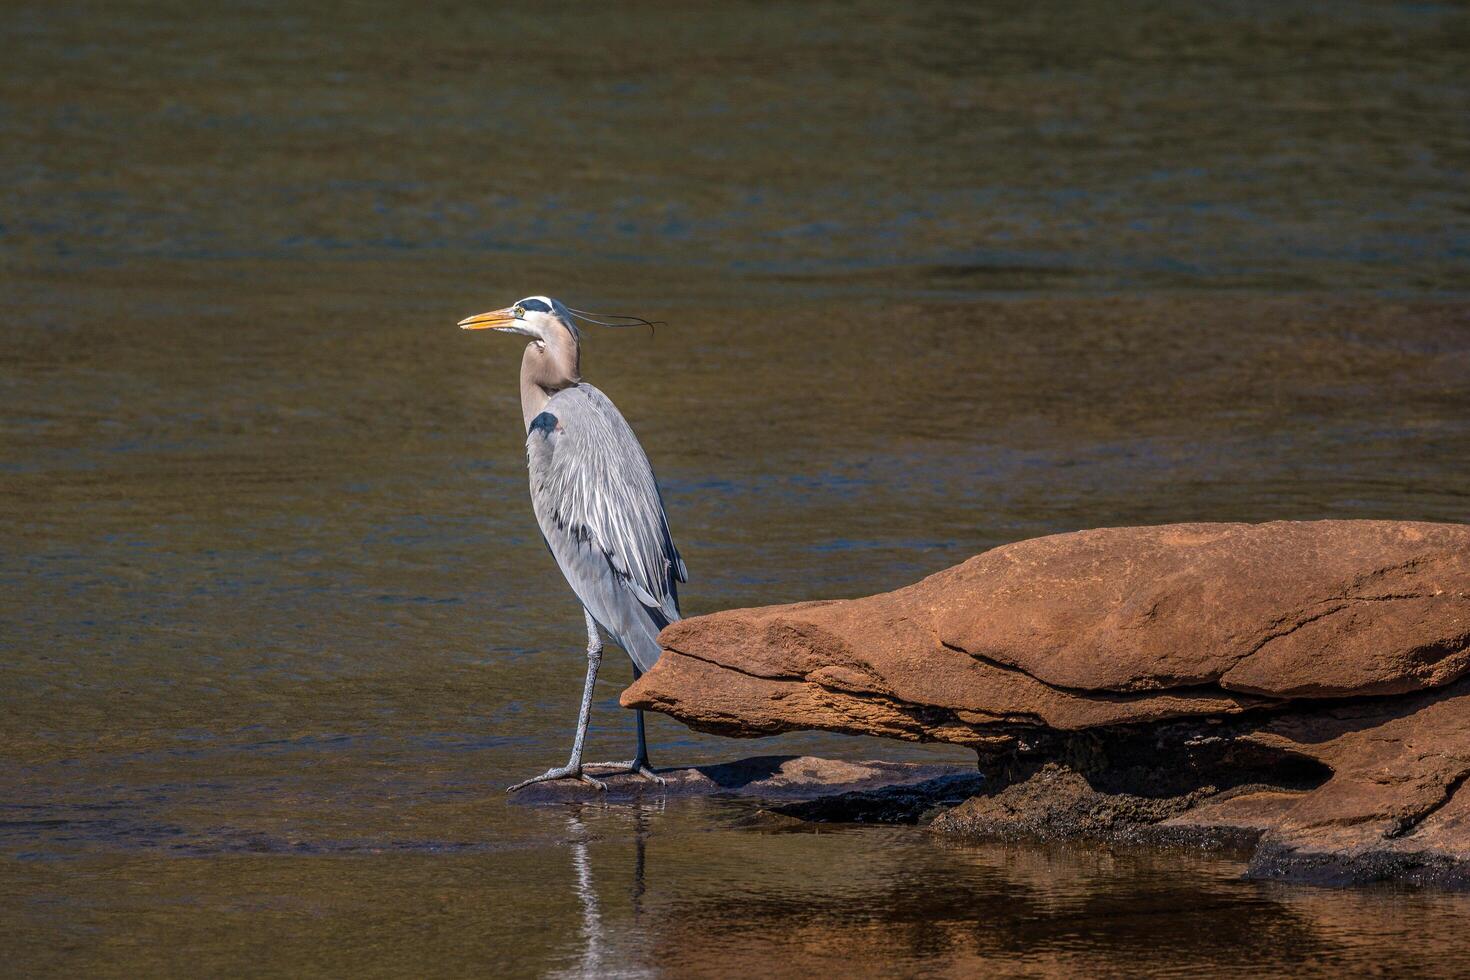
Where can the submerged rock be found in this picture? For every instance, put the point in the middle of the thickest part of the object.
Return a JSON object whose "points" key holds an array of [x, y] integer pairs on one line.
{"points": [[906, 803], [1293, 683], [765, 777]]}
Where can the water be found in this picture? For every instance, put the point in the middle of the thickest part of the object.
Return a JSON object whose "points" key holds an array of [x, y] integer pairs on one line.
{"points": [[276, 622]]}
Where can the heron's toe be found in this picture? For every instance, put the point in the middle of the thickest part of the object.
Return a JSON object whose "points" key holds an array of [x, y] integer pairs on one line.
{"points": [[633, 767], [648, 774], [562, 772]]}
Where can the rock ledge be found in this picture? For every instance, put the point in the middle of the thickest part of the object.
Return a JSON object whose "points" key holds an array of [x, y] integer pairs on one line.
{"points": [[1299, 685]]}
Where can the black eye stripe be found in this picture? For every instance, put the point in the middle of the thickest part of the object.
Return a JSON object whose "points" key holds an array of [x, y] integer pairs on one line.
{"points": [[534, 304]]}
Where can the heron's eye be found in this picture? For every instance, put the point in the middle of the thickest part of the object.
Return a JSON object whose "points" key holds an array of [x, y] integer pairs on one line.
{"points": [[519, 312]]}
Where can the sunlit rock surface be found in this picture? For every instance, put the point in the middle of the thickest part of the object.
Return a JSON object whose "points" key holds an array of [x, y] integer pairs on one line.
{"points": [[1295, 684]]}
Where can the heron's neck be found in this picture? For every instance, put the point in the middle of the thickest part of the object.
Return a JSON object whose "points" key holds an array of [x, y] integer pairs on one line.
{"points": [[546, 368]]}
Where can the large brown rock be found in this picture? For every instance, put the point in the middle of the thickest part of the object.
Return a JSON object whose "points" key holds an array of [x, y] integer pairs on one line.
{"points": [[1293, 609], [1330, 644]]}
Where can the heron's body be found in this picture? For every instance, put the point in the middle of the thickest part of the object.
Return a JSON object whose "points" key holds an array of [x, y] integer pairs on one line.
{"points": [[597, 503], [599, 508]]}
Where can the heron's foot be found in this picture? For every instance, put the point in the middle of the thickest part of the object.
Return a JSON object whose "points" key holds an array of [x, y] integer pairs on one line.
{"points": [[561, 772], [644, 770], [636, 767]]}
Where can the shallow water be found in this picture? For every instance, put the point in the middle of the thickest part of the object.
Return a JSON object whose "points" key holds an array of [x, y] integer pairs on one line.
{"points": [[277, 624]]}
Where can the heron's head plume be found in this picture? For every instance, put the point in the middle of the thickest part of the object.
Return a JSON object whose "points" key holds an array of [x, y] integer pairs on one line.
{"points": [[539, 316]]}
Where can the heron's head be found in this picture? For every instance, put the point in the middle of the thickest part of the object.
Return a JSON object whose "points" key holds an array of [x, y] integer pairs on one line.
{"points": [[539, 317]]}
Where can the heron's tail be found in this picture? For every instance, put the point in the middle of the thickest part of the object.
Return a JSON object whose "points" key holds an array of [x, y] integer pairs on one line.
{"points": [[642, 639]]}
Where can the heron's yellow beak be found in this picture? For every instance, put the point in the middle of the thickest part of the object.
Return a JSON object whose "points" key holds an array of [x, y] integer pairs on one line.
{"points": [[494, 320]]}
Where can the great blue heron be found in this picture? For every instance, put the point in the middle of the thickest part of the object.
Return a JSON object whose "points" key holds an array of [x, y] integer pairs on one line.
{"points": [[599, 508]]}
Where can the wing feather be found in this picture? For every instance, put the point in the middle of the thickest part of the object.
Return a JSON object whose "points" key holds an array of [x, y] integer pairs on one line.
{"points": [[596, 484]]}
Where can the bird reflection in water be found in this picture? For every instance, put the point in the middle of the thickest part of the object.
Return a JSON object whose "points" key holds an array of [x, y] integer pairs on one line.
{"points": [[593, 961], [640, 837]]}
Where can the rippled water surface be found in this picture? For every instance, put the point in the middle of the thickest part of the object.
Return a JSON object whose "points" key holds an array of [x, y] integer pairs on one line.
{"points": [[277, 625]]}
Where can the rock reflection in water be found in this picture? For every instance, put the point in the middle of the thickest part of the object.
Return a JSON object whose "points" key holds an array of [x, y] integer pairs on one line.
{"points": [[876, 901]]}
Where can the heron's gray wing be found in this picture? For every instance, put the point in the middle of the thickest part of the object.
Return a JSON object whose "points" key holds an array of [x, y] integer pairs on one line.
{"points": [[592, 485]]}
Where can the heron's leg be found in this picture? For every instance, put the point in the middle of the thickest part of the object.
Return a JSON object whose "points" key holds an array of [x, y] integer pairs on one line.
{"points": [[638, 766], [641, 765], [573, 768]]}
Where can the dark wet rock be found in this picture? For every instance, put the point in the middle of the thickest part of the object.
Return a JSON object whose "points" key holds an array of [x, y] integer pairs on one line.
{"points": [[906, 804], [1273, 860], [1058, 802], [1355, 792], [1297, 685], [766, 777]]}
